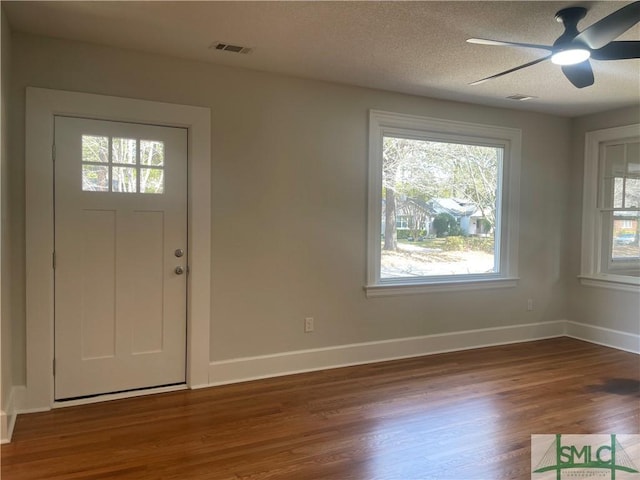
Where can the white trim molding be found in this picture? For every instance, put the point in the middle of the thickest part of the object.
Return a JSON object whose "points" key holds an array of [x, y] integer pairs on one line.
{"points": [[8, 418], [286, 363], [595, 250], [6, 431], [453, 285], [41, 106], [612, 282], [244, 369], [629, 342], [508, 140]]}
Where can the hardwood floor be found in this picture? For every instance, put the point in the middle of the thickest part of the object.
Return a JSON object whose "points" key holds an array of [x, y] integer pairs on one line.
{"points": [[464, 415]]}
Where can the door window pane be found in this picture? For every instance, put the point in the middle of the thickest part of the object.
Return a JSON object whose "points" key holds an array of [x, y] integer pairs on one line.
{"points": [[151, 180], [131, 166], [151, 153], [124, 150], [95, 149], [95, 178], [123, 179]]}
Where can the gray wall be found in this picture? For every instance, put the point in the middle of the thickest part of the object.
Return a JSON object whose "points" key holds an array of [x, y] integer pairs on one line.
{"points": [[289, 200], [5, 251], [602, 307]]}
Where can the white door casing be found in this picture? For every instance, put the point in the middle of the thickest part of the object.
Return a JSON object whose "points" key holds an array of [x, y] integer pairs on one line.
{"points": [[120, 216], [41, 107]]}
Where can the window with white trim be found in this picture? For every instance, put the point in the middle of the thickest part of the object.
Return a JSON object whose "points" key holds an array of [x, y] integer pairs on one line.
{"points": [[124, 165], [443, 205], [611, 208]]}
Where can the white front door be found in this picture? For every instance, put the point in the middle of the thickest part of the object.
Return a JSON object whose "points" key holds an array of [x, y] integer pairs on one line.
{"points": [[120, 256]]}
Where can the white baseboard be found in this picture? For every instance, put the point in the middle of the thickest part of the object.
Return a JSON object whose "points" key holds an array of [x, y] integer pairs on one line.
{"points": [[629, 342], [5, 434], [286, 363], [15, 406], [8, 416]]}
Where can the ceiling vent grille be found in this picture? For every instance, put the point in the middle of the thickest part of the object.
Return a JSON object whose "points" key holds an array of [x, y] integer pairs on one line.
{"points": [[227, 47], [520, 97]]}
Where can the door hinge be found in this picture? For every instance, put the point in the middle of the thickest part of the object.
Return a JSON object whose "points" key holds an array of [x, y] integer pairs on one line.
{"points": [[53, 152], [53, 260], [54, 367]]}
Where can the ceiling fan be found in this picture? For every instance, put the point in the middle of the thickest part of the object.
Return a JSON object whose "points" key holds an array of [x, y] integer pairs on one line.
{"points": [[573, 49]]}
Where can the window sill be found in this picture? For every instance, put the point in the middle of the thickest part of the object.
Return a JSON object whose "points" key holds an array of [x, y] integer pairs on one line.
{"points": [[614, 282], [392, 289]]}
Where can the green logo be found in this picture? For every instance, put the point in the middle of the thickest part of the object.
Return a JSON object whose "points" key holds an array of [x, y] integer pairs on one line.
{"points": [[586, 455]]}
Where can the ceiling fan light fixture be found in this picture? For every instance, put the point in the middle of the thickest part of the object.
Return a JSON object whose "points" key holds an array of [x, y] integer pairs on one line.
{"points": [[570, 56], [573, 48]]}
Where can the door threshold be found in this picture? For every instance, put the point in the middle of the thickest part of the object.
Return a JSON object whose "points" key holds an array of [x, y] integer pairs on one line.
{"points": [[106, 397]]}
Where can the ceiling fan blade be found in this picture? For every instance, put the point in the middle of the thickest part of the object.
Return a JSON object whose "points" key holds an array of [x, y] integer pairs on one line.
{"points": [[580, 74], [484, 41], [617, 51], [611, 27], [477, 82]]}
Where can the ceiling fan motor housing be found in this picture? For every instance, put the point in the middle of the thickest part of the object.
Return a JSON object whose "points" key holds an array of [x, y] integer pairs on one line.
{"points": [[569, 17]]}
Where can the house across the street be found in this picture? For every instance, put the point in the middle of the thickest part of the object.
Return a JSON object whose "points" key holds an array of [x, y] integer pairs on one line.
{"points": [[417, 216]]}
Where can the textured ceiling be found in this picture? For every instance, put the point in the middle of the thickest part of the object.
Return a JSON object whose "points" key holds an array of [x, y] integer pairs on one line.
{"points": [[410, 47]]}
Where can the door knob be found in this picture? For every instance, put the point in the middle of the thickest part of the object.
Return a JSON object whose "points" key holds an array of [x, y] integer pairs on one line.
{"points": [[179, 270], [179, 252]]}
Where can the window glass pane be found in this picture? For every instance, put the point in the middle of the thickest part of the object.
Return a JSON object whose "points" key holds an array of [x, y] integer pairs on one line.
{"points": [[632, 193], [618, 192], [95, 149], [123, 179], [625, 236], [95, 178], [606, 192], [151, 180], [124, 150], [615, 161], [633, 159], [439, 208], [151, 153], [613, 172], [402, 221]]}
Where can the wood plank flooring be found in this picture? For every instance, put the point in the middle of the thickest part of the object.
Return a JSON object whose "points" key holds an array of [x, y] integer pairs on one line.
{"points": [[465, 415]]}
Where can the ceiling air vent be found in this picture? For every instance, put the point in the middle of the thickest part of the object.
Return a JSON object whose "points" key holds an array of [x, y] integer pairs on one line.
{"points": [[520, 97], [227, 47]]}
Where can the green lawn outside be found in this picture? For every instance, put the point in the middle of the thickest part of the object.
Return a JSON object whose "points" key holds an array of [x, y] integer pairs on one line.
{"points": [[483, 244]]}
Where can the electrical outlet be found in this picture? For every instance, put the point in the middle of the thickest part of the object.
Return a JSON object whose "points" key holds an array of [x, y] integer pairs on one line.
{"points": [[529, 305], [308, 324]]}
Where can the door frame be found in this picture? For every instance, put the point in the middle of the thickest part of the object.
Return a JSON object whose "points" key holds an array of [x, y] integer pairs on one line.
{"points": [[41, 106]]}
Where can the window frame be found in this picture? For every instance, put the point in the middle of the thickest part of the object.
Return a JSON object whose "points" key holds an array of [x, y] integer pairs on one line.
{"points": [[41, 107], [594, 245], [137, 166], [383, 124]]}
